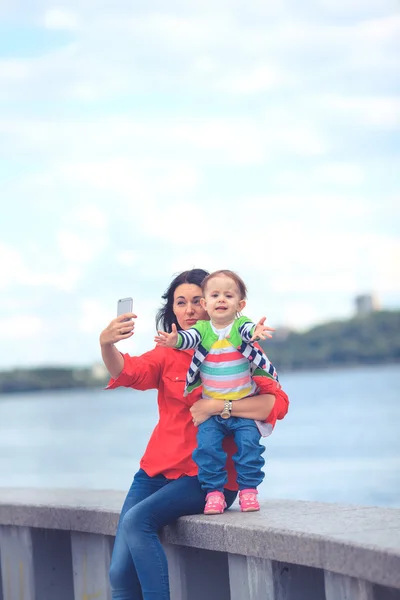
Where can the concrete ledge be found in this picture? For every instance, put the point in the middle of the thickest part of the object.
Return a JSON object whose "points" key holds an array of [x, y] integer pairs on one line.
{"points": [[73, 510], [357, 541]]}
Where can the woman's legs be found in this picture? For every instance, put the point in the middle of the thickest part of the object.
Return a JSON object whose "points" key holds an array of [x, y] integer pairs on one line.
{"points": [[139, 568], [123, 578]]}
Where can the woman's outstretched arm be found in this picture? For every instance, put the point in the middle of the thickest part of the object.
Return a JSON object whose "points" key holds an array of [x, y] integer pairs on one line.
{"points": [[113, 360]]}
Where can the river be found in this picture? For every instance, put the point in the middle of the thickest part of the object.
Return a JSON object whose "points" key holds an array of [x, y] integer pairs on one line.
{"points": [[340, 441]]}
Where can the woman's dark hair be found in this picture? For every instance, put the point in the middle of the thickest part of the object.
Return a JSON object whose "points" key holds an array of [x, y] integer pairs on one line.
{"points": [[165, 316]]}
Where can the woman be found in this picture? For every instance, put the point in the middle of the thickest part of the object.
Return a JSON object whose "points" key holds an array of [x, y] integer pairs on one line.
{"points": [[166, 486]]}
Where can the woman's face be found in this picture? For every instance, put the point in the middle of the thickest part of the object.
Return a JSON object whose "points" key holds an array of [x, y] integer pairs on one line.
{"points": [[187, 307]]}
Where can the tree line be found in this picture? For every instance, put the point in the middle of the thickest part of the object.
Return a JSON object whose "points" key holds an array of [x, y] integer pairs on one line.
{"points": [[373, 339], [366, 340], [48, 378]]}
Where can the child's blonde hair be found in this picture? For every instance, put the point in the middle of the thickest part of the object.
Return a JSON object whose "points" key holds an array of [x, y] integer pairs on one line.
{"points": [[226, 273]]}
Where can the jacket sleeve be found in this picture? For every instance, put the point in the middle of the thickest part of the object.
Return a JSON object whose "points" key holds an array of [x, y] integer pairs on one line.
{"points": [[189, 339], [245, 328], [140, 372]]}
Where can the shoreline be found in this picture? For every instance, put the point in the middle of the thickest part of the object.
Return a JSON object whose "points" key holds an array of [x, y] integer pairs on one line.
{"points": [[100, 385]]}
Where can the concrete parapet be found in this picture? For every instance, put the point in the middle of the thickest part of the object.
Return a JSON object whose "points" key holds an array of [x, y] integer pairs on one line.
{"points": [[330, 551]]}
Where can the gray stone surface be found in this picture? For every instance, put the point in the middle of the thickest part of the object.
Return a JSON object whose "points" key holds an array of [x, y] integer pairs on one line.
{"points": [[1, 581], [341, 587], [177, 571], [358, 541], [251, 578], [52, 564], [77, 510], [197, 574], [91, 555], [17, 563], [383, 593], [296, 582]]}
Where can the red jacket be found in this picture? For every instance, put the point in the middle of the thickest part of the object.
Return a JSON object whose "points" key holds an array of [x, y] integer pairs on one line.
{"points": [[169, 450]]}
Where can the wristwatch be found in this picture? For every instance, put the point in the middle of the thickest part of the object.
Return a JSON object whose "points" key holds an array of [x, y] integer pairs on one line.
{"points": [[227, 410]]}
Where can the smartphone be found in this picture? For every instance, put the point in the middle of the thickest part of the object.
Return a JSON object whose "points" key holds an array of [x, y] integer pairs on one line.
{"points": [[124, 305]]}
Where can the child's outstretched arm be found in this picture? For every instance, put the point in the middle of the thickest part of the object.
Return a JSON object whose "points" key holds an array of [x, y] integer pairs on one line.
{"points": [[261, 331], [183, 340], [169, 340], [249, 332]]}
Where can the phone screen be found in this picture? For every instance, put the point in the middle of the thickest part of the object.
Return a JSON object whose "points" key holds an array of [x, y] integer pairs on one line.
{"points": [[125, 305]]}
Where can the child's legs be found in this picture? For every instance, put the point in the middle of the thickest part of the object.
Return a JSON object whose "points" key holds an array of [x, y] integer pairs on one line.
{"points": [[209, 455], [248, 459]]}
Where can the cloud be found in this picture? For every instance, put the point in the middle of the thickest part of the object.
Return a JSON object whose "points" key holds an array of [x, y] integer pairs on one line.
{"points": [[354, 7], [326, 263], [129, 144], [111, 53], [128, 258], [12, 265], [57, 260], [375, 111], [344, 175], [21, 270], [61, 18], [75, 248], [94, 315], [20, 327], [258, 137], [253, 80]]}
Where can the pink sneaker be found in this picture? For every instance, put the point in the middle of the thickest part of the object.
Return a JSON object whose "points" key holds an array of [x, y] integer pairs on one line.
{"points": [[215, 503], [248, 500]]}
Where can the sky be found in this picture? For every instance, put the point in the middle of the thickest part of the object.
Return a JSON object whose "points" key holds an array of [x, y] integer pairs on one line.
{"points": [[138, 140]]}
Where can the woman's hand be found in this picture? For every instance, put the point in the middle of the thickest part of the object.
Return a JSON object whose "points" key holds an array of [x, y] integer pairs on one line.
{"points": [[261, 331], [120, 328], [253, 407], [169, 340], [204, 409]]}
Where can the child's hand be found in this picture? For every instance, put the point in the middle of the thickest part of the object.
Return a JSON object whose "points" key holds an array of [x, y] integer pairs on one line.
{"points": [[169, 340], [261, 331]]}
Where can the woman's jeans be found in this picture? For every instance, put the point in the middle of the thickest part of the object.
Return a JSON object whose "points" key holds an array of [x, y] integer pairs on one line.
{"points": [[211, 458], [139, 569]]}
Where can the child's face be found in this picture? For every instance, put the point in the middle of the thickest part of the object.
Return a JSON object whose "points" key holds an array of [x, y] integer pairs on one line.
{"points": [[222, 300]]}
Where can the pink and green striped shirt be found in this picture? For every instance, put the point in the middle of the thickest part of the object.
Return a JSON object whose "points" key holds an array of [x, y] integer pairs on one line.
{"points": [[225, 372], [203, 336]]}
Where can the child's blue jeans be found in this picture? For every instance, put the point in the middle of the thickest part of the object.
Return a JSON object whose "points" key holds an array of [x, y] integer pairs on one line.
{"points": [[211, 458], [139, 568]]}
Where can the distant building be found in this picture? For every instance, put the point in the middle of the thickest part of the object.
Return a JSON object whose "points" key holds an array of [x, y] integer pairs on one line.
{"points": [[366, 304]]}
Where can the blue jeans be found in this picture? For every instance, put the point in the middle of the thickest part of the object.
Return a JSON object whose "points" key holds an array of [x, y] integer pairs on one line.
{"points": [[139, 569], [211, 458]]}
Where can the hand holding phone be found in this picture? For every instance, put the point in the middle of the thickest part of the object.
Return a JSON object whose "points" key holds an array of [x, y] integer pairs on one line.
{"points": [[124, 305]]}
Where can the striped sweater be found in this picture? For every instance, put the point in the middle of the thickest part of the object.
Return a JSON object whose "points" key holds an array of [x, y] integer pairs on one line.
{"points": [[224, 367]]}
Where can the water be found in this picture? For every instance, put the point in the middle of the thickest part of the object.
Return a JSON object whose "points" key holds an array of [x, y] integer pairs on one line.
{"points": [[339, 442]]}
